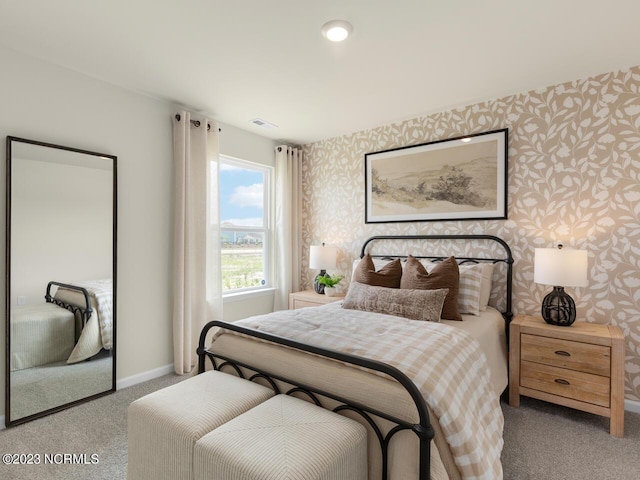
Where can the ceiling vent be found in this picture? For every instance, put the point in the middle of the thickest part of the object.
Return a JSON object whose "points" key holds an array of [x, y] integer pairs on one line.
{"points": [[262, 123]]}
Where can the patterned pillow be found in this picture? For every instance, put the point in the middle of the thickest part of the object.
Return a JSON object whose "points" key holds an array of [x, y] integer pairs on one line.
{"points": [[388, 276], [444, 274], [469, 289], [470, 286], [413, 304]]}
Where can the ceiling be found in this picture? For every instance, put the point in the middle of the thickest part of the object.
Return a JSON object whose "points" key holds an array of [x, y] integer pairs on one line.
{"points": [[237, 60]]}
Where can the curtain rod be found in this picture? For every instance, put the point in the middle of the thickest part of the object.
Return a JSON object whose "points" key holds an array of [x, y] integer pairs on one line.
{"points": [[196, 123]]}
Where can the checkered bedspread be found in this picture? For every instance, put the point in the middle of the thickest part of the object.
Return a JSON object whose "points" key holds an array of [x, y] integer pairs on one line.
{"points": [[446, 364]]}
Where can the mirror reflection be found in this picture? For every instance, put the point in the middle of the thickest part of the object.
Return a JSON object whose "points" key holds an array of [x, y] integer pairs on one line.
{"points": [[60, 271]]}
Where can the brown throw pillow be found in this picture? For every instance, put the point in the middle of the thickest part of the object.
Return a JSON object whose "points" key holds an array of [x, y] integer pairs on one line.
{"points": [[444, 275], [388, 276], [413, 304]]}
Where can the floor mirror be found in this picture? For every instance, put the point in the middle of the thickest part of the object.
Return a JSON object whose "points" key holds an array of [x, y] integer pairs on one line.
{"points": [[60, 277]]}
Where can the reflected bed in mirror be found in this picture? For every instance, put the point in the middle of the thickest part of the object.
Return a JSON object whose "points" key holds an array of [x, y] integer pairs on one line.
{"points": [[60, 265]]}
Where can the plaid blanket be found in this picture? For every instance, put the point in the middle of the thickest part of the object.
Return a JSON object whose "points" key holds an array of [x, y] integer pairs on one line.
{"points": [[445, 363], [102, 292]]}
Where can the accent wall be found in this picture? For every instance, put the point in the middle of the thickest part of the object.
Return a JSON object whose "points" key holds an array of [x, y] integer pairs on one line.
{"points": [[573, 177]]}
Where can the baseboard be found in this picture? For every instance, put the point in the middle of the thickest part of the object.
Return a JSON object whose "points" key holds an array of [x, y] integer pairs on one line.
{"points": [[632, 406], [143, 377]]}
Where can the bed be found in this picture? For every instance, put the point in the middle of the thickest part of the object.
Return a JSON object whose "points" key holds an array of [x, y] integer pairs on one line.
{"points": [[46, 333], [40, 334], [428, 392]]}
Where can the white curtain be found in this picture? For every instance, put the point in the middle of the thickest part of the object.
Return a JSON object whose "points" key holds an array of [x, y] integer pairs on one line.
{"points": [[197, 296], [288, 202]]}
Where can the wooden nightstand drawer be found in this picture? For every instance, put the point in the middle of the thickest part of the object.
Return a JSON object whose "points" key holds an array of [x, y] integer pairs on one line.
{"points": [[297, 303], [584, 387], [583, 357], [309, 298]]}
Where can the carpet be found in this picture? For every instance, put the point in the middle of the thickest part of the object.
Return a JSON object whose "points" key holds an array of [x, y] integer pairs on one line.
{"points": [[40, 388], [542, 441]]}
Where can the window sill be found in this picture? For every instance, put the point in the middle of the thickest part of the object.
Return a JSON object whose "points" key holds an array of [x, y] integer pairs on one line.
{"points": [[242, 296]]}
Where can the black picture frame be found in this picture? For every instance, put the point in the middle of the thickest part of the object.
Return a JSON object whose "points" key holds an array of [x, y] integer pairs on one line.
{"points": [[462, 178]]}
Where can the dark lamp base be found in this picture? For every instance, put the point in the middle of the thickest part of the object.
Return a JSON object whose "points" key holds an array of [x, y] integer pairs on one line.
{"points": [[558, 308], [319, 287]]}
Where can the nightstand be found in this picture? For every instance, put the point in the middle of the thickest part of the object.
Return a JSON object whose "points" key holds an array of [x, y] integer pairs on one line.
{"points": [[581, 366], [309, 298]]}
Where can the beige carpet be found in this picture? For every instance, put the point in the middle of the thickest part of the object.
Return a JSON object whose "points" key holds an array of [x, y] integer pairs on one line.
{"points": [[97, 427], [542, 441], [48, 386], [550, 442]]}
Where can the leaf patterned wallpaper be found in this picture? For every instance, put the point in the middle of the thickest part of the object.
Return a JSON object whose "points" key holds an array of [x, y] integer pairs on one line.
{"points": [[574, 177]]}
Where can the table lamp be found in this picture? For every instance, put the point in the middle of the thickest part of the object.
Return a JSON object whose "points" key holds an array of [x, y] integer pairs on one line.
{"points": [[322, 258], [560, 267]]}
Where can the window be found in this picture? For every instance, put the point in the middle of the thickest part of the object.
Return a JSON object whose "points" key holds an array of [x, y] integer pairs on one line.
{"points": [[245, 225]]}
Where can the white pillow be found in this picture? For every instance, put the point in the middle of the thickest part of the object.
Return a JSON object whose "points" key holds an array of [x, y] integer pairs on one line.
{"points": [[486, 285]]}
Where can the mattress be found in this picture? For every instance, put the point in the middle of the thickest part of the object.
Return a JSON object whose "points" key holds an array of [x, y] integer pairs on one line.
{"points": [[374, 390], [40, 334]]}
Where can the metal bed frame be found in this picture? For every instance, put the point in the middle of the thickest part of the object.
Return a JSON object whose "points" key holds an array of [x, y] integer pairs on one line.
{"points": [[423, 429], [507, 259], [83, 313]]}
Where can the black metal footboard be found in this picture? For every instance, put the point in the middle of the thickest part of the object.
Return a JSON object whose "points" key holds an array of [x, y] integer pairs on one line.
{"points": [[423, 429], [84, 313]]}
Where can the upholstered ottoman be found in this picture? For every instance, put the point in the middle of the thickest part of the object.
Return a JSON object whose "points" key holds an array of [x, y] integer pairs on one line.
{"points": [[165, 425], [283, 438]]}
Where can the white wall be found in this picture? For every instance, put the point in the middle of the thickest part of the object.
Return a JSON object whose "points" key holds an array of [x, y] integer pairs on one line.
{"points": [[61, 225], [237, 308], [246, 146], [44, 102]]}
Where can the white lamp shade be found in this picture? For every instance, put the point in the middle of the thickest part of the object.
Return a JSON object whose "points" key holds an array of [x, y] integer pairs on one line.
{"points": [[322, 257], [560, 267]]}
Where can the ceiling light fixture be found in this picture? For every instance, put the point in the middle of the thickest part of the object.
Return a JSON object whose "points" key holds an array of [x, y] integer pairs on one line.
{"points": [[337, 30]]}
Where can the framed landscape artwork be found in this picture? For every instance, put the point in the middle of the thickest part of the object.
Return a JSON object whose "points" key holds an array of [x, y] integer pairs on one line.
{"points": [[462, 178]]}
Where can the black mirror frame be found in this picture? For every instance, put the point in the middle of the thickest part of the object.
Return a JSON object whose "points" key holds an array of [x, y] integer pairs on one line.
{"points": [[10, 140]]}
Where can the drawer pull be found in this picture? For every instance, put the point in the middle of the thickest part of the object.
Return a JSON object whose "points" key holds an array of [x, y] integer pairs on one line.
{"points": [[561, 381], [563, 353]]}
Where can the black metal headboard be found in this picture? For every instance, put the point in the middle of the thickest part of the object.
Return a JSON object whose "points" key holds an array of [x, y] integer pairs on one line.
{"points": [[507, 259]]}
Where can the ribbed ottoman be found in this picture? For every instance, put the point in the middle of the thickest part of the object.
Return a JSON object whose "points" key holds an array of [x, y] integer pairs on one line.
{"points": [[283, 438], [165, 425]]}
